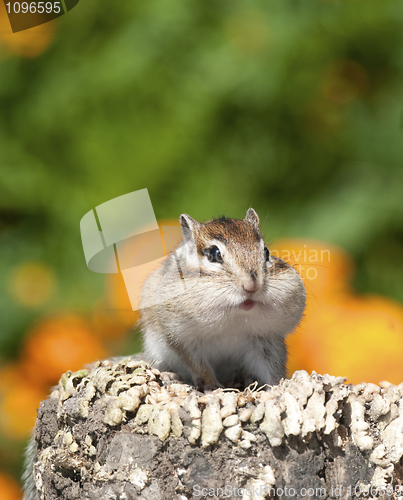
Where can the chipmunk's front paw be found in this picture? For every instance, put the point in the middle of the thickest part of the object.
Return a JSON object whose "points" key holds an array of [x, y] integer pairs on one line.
{"points": [[202, 386], [169, 377]]}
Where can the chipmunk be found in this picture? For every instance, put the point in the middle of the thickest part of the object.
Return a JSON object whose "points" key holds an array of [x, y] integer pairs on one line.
{"points": [[218, 309]]}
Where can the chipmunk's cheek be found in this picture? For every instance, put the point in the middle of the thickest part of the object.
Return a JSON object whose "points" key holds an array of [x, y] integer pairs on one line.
{"points": [[247, 305]]}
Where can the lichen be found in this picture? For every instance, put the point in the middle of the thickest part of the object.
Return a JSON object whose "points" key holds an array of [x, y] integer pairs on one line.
{"points": [[132, 392]]}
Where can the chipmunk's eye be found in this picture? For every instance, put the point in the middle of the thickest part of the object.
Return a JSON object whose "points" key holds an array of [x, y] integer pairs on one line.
{"points": [[266, 254], [213, 254]]}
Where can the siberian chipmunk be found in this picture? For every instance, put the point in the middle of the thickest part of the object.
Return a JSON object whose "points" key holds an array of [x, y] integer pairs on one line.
{"points": [[217, 310], [223, 318]]}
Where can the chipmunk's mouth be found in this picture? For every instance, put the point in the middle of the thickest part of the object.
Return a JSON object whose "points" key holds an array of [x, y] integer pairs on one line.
{"points": [[247, 305]]}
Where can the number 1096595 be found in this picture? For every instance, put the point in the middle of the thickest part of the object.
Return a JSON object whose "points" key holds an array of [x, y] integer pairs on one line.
{"points": [[34, 7]]}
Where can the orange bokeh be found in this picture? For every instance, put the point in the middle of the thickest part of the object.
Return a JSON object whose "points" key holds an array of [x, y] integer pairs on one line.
{"points": [[116, 292], [18, 405], [57, 344], [118, 301], [9, 488], [343, 333], [28, 43], [111, 324], [325, 269]]}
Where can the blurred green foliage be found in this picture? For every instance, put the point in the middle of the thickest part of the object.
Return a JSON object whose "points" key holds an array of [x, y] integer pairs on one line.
{"points": [[292, 107]]}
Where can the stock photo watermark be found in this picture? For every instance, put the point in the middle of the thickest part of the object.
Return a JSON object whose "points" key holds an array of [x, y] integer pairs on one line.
{"points": [[260, 491], [304, 261], [24, 15], [123, 236]]}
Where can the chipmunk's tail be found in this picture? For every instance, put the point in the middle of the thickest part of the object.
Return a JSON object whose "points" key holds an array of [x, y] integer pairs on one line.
{"points": [[30, 491]]}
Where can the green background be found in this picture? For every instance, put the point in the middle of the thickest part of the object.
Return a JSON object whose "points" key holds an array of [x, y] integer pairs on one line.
{"points": [[213, 106], [291, 107]]}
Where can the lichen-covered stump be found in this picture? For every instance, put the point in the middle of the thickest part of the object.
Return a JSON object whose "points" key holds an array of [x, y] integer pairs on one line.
{"points": [[127, 431]]}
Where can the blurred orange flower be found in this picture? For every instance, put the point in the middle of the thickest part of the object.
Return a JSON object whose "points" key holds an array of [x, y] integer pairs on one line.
{"points": [[9, 488], [57, 344], [325, 269], [18, 405], [53, 346], [118, 300], [116, 286], [343, 333]]}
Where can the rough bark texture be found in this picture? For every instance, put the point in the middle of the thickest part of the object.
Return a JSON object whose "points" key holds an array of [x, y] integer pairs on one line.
{"points": [[125, 431]]}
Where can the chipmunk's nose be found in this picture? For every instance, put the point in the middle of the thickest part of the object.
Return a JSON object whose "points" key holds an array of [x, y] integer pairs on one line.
{"points": [[250, 284]]}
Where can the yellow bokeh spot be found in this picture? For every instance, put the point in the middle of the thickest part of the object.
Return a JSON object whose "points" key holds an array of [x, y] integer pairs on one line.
{"points": [[32, 284], [248, 30], [28, 43]]}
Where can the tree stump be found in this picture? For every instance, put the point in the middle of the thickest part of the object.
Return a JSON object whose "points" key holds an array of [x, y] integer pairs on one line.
{"points": [[126, 431]]}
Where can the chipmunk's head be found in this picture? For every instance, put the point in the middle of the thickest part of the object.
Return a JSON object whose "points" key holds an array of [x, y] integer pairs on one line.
{"points": [[232, 250], [237, 268]]}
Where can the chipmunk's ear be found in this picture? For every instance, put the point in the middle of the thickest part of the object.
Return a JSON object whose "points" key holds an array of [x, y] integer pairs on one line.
{"points": [[189, 226], [252, 216]]}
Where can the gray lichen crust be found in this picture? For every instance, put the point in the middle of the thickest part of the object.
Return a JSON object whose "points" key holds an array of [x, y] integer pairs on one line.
{"points": [[125, 430]]}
